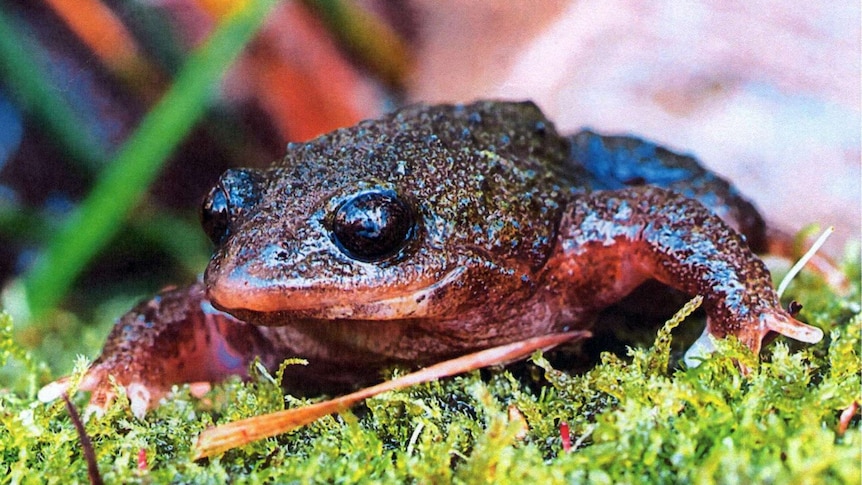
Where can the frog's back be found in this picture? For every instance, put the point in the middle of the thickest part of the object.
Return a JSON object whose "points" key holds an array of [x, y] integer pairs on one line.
{"points": [[518, 131]]}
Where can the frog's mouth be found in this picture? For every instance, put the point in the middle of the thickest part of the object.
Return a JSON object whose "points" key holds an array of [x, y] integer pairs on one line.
{"points": [[244, 294]]}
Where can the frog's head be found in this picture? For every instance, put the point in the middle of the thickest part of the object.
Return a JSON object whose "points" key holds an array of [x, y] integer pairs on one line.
{"points": [[414, 216]]}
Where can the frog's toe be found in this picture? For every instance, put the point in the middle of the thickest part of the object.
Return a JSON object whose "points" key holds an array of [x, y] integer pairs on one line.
{"points": [[53, 390], [140, 398], [782, 323]]}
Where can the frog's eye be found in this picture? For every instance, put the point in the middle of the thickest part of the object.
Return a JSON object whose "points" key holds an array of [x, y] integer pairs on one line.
{"points": [[372, 226], [236, 192], [214, 215]]}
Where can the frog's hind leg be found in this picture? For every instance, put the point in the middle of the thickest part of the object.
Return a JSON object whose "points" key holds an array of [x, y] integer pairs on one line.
{"points": [[616, 162]]}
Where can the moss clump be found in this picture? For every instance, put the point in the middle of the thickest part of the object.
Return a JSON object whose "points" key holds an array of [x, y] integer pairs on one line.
{"points": [[632, 420]]}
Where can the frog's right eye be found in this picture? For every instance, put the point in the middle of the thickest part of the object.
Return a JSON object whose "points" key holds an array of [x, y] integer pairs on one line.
{"points": [[236, 192], [372, 226]]}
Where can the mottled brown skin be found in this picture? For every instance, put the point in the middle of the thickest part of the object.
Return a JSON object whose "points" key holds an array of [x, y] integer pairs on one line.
{"points": [[516, 232]]}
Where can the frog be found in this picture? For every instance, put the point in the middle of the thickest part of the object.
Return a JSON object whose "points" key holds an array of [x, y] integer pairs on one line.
{"points": [[433, 232]]}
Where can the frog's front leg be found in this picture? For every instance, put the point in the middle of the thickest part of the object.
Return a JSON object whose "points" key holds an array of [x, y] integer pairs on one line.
{"points": [[612, 241], [174, 338]]}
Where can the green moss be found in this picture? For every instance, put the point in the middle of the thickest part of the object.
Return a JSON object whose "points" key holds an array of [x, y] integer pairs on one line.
{"points": [[632, 420]]}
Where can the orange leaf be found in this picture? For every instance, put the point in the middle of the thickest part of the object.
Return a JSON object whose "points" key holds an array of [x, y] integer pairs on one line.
{"points": [[222, 438]]}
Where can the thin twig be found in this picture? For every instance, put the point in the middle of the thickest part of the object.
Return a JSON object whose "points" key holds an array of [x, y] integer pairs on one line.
{"points": [[86, 444], [804, 260]]}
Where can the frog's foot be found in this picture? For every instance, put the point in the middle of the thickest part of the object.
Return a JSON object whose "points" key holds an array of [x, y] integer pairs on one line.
{"points": [[100, 381], [751, 333]]}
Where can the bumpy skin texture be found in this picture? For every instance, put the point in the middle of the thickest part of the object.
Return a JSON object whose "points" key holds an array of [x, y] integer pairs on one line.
{"points": [[616, 162], [514, 232]]}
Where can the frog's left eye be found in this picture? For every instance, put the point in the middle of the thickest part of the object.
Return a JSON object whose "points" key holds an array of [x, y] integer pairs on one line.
{"points": [[214, 215], [373, 226], [236, 192]]}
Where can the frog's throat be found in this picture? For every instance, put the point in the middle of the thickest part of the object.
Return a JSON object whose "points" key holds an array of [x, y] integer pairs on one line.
{"points": [[422, 302]]}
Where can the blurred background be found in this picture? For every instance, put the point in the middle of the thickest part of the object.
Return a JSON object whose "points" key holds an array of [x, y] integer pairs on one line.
{"points": [[117, 116]]}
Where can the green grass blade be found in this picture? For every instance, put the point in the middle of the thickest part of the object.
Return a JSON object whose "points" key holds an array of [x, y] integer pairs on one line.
{"points": [[122, 184]]}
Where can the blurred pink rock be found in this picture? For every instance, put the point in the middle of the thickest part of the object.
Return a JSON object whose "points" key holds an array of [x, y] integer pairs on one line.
{"points": [[765, 93]]}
